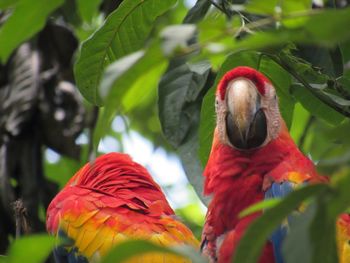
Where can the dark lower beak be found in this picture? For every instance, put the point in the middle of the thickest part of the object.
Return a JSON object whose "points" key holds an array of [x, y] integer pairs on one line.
{"points": [[253, 137]]}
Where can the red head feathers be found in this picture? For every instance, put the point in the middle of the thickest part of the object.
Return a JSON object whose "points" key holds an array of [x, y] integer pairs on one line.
{"points": [[246, 72]]}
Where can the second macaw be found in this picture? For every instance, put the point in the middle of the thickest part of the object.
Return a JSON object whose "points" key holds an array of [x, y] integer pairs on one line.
{"points": [[253, 157], [108, 201]]}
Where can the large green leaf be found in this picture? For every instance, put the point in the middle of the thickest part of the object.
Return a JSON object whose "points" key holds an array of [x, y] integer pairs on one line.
{"points": [[4, 4], [316, 106], [282, 82], [87, 9], [263, 205], [31, 249], [124, 31], [271, 7], [197, 12], [311, 27], [260, 230], [119, 77], [329, 60], [27, 19], [179, 90], [130, 249], [297, 243]]}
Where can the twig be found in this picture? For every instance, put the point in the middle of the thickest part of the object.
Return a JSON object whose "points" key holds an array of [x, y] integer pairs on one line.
{"points": [[21, 218], [217, 6], [318, 95]]}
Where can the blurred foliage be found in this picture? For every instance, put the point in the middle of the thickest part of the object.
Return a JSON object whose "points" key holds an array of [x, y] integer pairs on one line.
{"points": [[129, 47]]}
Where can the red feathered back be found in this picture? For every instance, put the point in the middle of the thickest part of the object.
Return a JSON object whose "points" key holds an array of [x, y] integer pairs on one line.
{"points": [[117, 175], [111, 200]]}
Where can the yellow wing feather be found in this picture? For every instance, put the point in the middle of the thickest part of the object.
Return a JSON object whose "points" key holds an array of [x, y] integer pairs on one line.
{"points": [[94, 238]]}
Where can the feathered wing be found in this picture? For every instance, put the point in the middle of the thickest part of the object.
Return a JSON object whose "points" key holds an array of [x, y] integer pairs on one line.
{"points": [[109, 201]]}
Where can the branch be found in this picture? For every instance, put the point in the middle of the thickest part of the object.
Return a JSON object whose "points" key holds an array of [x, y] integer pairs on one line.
{"points": [[21, 218], [318, 95]]}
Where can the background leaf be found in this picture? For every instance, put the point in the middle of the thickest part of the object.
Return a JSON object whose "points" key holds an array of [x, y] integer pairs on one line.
{"points": [[126, 250], [31, 249], [27, 19], [130, 68], [123, 32], [260, 229]]}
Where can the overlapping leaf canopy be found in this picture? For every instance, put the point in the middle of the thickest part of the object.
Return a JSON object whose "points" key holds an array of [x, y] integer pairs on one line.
{"points": [[142, 62]]}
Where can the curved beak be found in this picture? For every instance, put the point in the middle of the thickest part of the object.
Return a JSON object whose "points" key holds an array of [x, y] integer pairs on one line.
{"points": [[246, 124]]}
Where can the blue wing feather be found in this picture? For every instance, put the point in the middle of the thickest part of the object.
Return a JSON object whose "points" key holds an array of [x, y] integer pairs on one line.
{"points": [[64, 255], [279, 190]]}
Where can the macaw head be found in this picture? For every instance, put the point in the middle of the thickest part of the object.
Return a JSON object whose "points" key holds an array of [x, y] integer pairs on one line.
{"points": [[247, 110]]}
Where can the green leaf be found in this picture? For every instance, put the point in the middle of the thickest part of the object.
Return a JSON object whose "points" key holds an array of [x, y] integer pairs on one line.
{"points": [[124, 31], [266, 204], [316, 29], [27, 19], [323, 245], [260, 230], [130, 249], [316, 106], [61, 171], [31, 249], [87, 9], [197, 12], [276, 7], [188, 152], [282, 81], [121, 76], [297, 246], [328, 60], [148, 83], [179, 90], [4, 4], [176, 37]]}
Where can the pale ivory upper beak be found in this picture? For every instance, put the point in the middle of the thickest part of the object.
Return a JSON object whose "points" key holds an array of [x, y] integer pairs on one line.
{"points": [[241, 99]]}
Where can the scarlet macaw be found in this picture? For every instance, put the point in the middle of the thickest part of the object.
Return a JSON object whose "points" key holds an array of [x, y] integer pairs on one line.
{"points": [[111, 200], [253, 157]]}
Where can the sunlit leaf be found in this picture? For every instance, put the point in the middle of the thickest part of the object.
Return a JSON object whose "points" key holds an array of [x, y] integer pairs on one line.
{"points": [[118, 78], [31, 249], [129, 249], [260, 230], [315, 106], [27, 19], [266, 204], [124, 31], [88, 9]]}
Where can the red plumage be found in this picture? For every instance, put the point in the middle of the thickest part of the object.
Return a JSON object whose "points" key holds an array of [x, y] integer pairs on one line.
{"points": [[246, 72], [111, 200], [236, 179]]}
